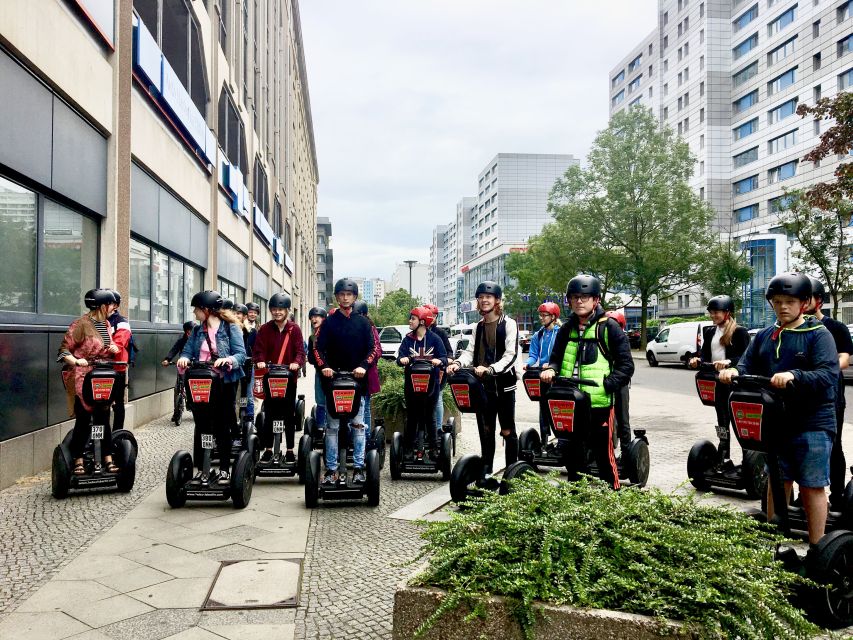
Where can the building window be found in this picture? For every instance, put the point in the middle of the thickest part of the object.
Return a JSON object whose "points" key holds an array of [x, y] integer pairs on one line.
{"points": [[702, 36], [781, 52], [745, 47], [233, 266], [224, 13], [618, 98], [742, 159], [746, 213], [666, 113], [782, 203], [262, 190], [844, 11], [845, 80], [232, 137], [783, 142], [665, 66], [782, 21], [745, 18], [161, 285], [816, 93], [231, 291], [744, 130], [782, 82], [635, 101], [702, 141], [665, 42], [702, 114], [816, 29], [702, 10], [277, 218], [816, 61], [782, 172], [745, 74], [635, 83], [264, 302], [845, 46], [635, 63], [701, 89], [618, 79], [666, 89], [745, 186], [782, 111]]}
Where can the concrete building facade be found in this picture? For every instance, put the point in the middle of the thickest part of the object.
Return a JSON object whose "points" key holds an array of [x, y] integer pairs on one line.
{"points": [[419, 273], [159, 147], [325, 264]]}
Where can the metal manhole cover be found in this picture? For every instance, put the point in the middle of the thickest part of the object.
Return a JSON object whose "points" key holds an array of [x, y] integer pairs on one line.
{"points": [[255, 584]]}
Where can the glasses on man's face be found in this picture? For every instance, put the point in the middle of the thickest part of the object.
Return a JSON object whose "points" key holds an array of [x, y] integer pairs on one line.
{"points": [[580, 298]]}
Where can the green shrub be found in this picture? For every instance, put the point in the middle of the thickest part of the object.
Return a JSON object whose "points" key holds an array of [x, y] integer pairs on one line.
{"points": [[390, 402], [643, 552]]}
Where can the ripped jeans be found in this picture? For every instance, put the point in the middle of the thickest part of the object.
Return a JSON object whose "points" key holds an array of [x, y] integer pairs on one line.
{"points": [[358, 438]]}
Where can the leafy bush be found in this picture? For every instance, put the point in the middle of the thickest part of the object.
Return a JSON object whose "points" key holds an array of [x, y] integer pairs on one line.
{"points": [[390, 402], [643, 552]]}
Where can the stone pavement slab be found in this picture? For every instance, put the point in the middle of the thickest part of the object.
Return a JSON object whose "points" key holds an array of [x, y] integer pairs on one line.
{"points": [[51, 625], [180, 593], [104, 612], [252, 632]]}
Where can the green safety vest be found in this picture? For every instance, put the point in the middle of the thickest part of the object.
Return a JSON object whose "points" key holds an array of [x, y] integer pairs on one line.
{"points": [[596, 371]]}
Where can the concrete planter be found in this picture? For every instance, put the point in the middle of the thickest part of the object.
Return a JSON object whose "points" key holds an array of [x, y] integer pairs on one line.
{"points": [[413, 605]]}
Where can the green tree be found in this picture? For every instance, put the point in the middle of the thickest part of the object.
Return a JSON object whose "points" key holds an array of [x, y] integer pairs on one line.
{"points": [[394, 308], [630, 214], [726, 272], [836, 140]]}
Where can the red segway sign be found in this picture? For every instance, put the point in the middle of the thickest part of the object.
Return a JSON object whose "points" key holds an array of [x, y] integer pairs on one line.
{"points": [[534, 389], [200, 390], [461, 394], [343, 399], [707, 390], [562, 415], [747, 417], [278, 387], [420, 382], [102, 388]]}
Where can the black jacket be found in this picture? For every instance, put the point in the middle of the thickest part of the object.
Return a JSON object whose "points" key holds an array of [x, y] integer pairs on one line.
{"points": [[740, 341], [344, 342], [176, 348]]}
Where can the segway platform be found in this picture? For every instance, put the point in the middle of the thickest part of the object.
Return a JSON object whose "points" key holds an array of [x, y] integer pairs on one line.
{"points": [[276, 381]]}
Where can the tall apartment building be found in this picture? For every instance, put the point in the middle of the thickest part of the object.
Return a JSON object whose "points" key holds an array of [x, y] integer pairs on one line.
{"points": [[730, 75], [325, 264], [437, 265], [415, 278], [451, 248], [373, 290], [159, 147]]}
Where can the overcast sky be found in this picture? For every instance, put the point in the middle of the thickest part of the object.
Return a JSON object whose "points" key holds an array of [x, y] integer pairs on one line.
{"points": [[411, 99]]}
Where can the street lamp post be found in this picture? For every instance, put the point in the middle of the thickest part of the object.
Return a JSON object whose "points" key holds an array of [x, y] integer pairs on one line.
{"points": [[411, 263]]}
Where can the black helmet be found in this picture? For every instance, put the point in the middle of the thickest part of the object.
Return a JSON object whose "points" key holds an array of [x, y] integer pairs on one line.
{"points": [[253, 306], [94, 298], [721, 303], [317, 311], [117, 296], [207, 300], [227, 303], [280, 301], [796, 285], [583, 284], [241, 308], [489, 286], [346, 284], [189, 325], [360, 307], [818, 290]]}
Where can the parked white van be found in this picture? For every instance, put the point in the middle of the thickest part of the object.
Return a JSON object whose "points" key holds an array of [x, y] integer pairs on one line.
{"points": [[676, 343]]}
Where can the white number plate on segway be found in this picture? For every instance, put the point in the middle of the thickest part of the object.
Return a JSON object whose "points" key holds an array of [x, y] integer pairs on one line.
{"points": [[97, 432], [244, 402], [207, 441], [278, 426]]}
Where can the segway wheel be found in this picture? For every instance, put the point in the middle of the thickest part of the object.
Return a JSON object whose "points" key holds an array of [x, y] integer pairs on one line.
{"points": [[446, 456], [468, 469], [529, 443], [312, 479], [754, 474], [379, 444], [308, 425], [513, 471], [396, 456], [259, 422], [300, 413], [126, 457], [846, 506], [180, 472], [242, 480], [124, 434], [638, 462], [253, 447], [701, 458], [302, 455], [832, 602], [60, 474], [373, 469], [314, 412]]}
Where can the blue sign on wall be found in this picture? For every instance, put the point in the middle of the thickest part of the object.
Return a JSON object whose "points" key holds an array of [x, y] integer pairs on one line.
{"points": [[262, 228]]}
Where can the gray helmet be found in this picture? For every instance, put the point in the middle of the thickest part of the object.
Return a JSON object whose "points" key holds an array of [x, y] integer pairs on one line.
{"points": [[280, 301], [227, 303], [796, 285], [491, 287], [818, 290], [346, 284], [241, 308], [317, 311], [207, 300], [189, 325], [721, 303], [117, 296], [360, 307], [94, 298], [583, 284], [253, 306]]}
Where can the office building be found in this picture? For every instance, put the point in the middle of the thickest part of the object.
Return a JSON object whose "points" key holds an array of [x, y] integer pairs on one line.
{"points": [[413, 278], [325, 264]]}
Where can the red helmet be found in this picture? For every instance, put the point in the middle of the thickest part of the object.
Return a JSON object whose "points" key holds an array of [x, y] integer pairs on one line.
{"points": [[424, 315], [550, 307], [619, 317], [432, 308]]}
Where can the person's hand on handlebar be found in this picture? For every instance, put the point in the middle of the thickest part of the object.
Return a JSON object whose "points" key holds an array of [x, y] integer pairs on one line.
{"points": [[719, 365], [727, 375], [328, 372], [359, 372], [547, 375], [76, 362], [293, 366], [435, 362], [183, 362], [481, 371], [113, 348], [782, 379], [222, 363], [452, 368], [404, 361], [260, 365], [694, 362], [165, 362]]}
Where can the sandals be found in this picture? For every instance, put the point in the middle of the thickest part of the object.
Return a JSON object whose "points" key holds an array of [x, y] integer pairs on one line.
{"points": [[111, 467], [79, 469]]}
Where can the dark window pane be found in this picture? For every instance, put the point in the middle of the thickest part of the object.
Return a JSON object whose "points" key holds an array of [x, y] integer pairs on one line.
{"points": [[147, 10], [175, 42], [18, 215], [160, 276], [193, 283], [70, 259], [140, 281], [176, 291], [197, 86]]}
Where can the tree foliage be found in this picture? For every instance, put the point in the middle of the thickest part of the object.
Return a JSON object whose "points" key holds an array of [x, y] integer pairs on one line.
{"points": [[393, 309], [837, 140], [726, 272]]}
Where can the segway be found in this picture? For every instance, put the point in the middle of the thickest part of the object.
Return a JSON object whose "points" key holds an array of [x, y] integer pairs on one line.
{"points": [[434, 457], [243, 401], [276, 381], [244, 437], [705, 467], [758, 414], [202, 384], [468, 478], [343, 401], [97, 393]]}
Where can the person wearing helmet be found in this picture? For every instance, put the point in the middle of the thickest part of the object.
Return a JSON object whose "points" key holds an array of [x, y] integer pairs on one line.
{"points": [[279, 341], [188, 327], [373, 385], [622, 401], [844, 346], [798, 349], [250, 331], [227, 304], [592, 346], [316, 316], [253, 309], [345, 343], [723, 345], [442, 334], [240, 310], [422, 343], [88, 338], [540, 354], [123, 338], [217, 338], [493, 353]]}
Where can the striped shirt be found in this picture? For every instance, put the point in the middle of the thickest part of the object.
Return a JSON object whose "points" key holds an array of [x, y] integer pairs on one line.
{"points": [[103, 331]]}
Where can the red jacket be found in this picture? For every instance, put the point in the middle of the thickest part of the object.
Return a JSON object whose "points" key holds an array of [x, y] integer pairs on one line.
{"points": [[121, 338], [269, 341]]}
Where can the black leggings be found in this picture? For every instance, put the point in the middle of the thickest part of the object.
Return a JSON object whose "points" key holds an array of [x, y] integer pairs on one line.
{"points": [[499, 406], [599, 442], [623, 417], [280, 410], [837, 465], [421, 410], [721, 405], [217, 417], [83, 429], [118, 400]]}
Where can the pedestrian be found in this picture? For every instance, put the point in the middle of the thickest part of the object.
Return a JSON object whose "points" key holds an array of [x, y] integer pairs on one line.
{"points": [[316, 316]]}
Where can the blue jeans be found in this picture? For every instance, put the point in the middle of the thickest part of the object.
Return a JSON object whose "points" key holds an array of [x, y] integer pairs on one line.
{"points": [[250, 396], [365, 405], [438, 414], [358, 440], [319, 400], [805, 459]]}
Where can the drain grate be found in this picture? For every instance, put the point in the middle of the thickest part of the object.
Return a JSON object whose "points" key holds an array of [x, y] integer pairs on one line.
{"points": [[255, 584]]}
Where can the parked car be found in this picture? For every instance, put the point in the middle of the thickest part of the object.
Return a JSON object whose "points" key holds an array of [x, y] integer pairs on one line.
{"points": [[524, 338], [458, 344], [676, 343], [634, 336], [390, 338]]}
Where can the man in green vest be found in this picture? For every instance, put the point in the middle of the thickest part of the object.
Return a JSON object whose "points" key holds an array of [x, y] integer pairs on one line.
{"points": [[593, 347]]}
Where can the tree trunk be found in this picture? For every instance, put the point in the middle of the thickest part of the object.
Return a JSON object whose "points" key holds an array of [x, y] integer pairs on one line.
{"points": [[644, 318]]}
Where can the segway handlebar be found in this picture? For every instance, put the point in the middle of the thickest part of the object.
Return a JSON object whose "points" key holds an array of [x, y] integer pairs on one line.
{"points": [[101, 362], [706, 366], [281, 367], [576, 381], [763, 381]]}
